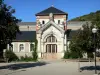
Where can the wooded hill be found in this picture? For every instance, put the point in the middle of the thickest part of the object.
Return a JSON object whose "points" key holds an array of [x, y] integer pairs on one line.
{"points": [[87, 17]]}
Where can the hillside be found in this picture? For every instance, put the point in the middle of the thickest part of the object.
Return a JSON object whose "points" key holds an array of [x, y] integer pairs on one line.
{"points": [[88, 17]]}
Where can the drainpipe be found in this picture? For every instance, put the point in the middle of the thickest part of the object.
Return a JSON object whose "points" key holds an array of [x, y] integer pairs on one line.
{"points": [[66, 39], [40, 45]]}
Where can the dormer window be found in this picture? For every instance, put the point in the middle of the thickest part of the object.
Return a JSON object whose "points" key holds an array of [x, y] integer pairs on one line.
{"points": [[58, 21], [43, 22]]}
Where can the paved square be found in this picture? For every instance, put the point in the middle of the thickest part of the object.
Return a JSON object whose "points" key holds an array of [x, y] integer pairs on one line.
{"points": [[48, 68]]}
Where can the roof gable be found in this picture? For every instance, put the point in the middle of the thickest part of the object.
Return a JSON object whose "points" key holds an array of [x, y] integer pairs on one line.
{"points": [[49, 24], [51, 10]]}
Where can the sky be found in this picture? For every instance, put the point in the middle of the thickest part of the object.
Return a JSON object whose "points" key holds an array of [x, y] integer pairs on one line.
{"points": [[26, 9]]}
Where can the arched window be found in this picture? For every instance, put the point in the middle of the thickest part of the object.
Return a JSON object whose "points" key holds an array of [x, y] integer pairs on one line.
{"points": [[11, 47], [58, 21], [21, 47], [43, 22], [31, 46], [51, 39]]}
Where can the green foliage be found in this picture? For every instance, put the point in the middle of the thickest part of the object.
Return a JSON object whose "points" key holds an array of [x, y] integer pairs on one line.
{"points": [[75, 54], [8, 25], [72, 55], [67, 55], [34, 53], [11, 56], [75, 50], [88, 17], [75, 46], [1, 1], [90, 54], [83, 41], [26, 58]]}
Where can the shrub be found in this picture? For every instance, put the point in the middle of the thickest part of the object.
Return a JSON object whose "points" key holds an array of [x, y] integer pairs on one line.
{"points": [[10, 56], [22, 58], [66, 55], [90, 54], [72, 55], [76, 54], [26, 58]]}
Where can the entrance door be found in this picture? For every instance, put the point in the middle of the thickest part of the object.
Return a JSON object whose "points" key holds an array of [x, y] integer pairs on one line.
{"points": [[51, 49]]}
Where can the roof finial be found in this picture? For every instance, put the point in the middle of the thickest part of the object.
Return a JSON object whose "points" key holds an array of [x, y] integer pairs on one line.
{"points": [[52, 5]]}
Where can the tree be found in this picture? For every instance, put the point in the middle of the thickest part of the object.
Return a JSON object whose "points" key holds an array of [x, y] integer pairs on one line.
{"points": [[83, 41], [8, 25], [10, 56], [1, 1], [75, 48]]}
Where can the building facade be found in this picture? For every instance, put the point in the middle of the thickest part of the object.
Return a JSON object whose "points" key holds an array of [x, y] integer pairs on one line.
{"points": [[51, 24], [49, 30]]}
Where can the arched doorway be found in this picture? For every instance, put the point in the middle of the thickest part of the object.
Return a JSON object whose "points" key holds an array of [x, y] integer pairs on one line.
{"points": [[50, 48]]}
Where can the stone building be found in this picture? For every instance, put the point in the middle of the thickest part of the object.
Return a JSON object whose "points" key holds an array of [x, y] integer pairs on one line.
{"points": [[49, 30]]}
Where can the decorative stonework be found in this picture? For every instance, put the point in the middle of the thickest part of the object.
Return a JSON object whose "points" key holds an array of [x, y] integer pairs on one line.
{"points": [[53, 29], [51, 16]]}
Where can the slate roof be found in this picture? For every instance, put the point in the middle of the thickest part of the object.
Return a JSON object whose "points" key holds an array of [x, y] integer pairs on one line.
{"points": [[70, 23], [51, 10], [26, 36]]}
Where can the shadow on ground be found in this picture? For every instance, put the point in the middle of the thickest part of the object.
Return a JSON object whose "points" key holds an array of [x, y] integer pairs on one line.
{"points": [[17, 66], [90, 68]]}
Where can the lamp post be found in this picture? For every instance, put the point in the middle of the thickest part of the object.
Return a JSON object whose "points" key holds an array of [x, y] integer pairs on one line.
{"points": [[94, 31]]}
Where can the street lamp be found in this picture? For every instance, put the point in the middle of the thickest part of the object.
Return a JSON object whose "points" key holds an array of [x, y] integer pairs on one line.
{"points": [[94, 31]]}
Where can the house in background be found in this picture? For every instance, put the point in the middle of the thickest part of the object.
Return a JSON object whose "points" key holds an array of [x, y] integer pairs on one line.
{"points": [[49, 30]]}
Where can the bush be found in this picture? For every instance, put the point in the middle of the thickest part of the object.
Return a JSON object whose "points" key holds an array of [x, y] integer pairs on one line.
{"points": [[66, 55], [72, 55], [26, 58], [10, 56], [90, 54], [76, 54]]}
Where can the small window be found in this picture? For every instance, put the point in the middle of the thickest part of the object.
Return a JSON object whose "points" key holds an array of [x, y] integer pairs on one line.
{"points": [[21, 47], [43, 22], [11, 47], [58, 21], [31, 47]]}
